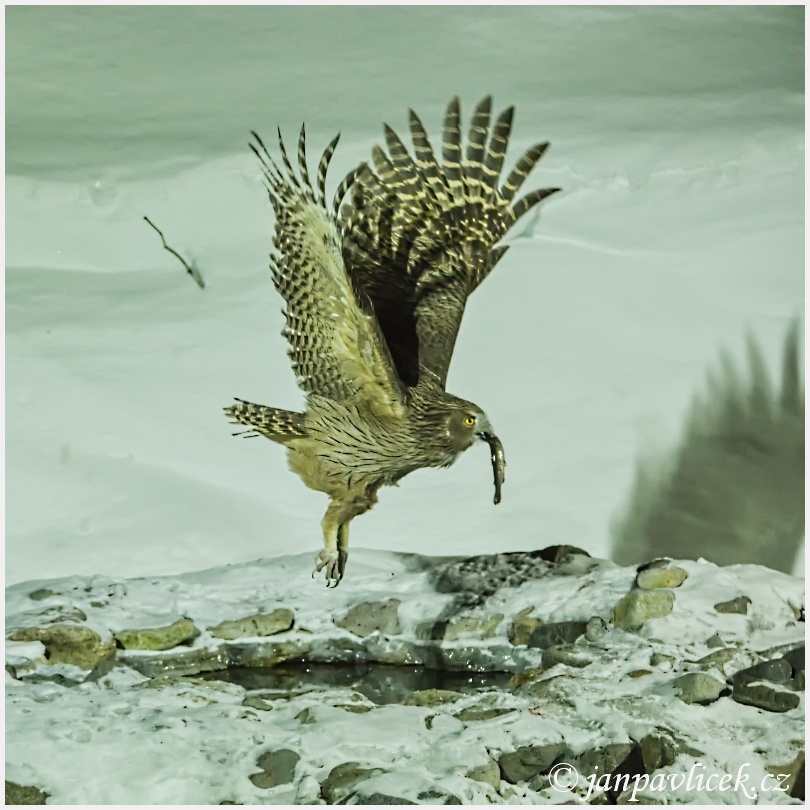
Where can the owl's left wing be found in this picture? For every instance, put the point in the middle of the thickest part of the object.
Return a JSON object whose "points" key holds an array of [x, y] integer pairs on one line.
{"points": [[335, 344], [428, 232]]}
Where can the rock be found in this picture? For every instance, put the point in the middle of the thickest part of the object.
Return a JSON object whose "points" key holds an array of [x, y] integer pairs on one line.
{"points": [[715, 641], [432, 697], [654, 578], [68, 644], [778, 670], [267, 653], [791, 776], [378, 798], [557, 688], [528, 761], [638, 673], [795, 658], [255, 702], [157, 638], [177, 662], [698, 687], [369, 617], [738, 605], [24, 794], [600, 761], [763, 696], [342, 780], [489, 773], [657, 659], [657, 751], [477, 627], [354, 708], [478, 714], [596, 628], [718, 658], [553, 633], [277, 768], [261, 624], [522, 626], [41, 593], [566, 654], [520, 679], [636, 607]]}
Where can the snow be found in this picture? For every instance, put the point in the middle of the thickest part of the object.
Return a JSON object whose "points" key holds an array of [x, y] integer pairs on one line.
{"points": [[681, 224], [198, 742]]}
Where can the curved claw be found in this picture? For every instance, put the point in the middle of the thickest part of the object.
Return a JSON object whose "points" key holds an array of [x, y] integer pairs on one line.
{"points": [[329, 563]]}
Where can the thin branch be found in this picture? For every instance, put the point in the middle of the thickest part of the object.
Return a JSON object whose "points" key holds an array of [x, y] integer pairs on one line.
{"points": [[191, 269]]}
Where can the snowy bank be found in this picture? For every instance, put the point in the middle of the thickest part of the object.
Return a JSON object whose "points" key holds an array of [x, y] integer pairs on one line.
{"points": [[662, 680]]}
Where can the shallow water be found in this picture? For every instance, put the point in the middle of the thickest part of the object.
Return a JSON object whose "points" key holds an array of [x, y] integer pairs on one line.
{"points": [[379, 683]]}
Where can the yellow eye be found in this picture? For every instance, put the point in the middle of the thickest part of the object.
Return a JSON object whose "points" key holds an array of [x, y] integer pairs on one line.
{"points": [[469, 421]]}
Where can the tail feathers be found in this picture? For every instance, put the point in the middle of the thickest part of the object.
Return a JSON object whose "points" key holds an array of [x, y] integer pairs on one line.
{"points": [[273, 423]]}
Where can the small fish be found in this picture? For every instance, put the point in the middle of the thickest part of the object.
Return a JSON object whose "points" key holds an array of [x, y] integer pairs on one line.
{"points": [[498, 464]]}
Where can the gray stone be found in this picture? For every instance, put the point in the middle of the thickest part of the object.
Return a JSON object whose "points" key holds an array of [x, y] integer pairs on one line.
{"points": [[157, 638], [477, 627], [354, 708], [763, 696], [266, 653], [778, 670], [566, 654], [489, 773], [596, 628], [432, 697], [177, 662], [68, 644], [738, 605], [795, 658], [698, 687], [522, 626], [41, 593], [24, 794], [654, 578], [369, 617], [657, 751], [258, 625], [477, 714], [718, 658], [553, 633], [636, 607], [557, 688], [277, 768], [342, 780], [379, 798], [715, 641], [657, 659], [604, 760], [528, 761]]}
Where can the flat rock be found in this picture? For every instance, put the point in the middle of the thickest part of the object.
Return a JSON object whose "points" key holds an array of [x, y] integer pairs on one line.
{"points": [[277, 768], [778, 670], [371, 617], [764, 696], [567, 654], [489, 773], [477, 627], [654, 578], [342, 780], [554, 633], [698, 687], [157, 638], [478, 714], [69, 644], [529, 761], [638, 606], [738, 605], [599, 761], [258, 625]]}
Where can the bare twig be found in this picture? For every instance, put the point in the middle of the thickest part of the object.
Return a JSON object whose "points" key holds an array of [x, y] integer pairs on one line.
{"points": [[191, 269]]}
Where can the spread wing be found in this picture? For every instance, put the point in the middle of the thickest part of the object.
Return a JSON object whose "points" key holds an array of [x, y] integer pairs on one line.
{"points": [[422, 235], [336, 347]]}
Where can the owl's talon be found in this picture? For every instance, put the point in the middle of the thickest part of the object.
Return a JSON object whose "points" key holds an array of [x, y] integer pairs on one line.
{"points": [[329, 563]]}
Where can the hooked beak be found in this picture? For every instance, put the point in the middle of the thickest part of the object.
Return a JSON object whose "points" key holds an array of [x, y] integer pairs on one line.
{"points": [[498, 461]]}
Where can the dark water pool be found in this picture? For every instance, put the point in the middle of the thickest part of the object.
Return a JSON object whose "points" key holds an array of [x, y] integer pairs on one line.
{"points": [[379, 683]]}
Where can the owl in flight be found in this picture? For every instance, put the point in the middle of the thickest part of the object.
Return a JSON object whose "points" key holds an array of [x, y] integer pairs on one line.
{"points": [[375, 287]]}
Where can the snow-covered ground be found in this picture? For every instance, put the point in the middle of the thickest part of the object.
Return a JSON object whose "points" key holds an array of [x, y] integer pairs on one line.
{"points": [[677, 136]]}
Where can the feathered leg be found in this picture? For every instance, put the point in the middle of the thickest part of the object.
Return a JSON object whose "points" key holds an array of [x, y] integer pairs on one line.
{"points": [[335, 524]]}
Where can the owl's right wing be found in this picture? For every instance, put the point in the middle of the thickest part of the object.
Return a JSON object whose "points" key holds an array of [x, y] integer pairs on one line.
{"points": [[336, 347]]}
